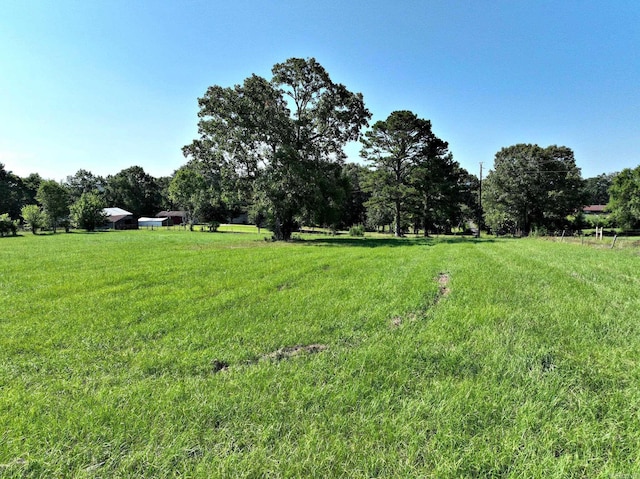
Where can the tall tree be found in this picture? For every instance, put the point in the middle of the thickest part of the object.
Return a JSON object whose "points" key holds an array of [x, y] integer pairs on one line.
{"points": [[274, 141], [188, 190], [31, 185], [354, 209], [596, 189], [624, 204], [134, 190], [84, 182], [532, 187], [54, 198], [397, 147], [11, 193], [441, 188]]}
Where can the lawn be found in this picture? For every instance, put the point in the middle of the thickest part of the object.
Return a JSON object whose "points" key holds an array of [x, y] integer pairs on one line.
{"points": [[187, 354]]}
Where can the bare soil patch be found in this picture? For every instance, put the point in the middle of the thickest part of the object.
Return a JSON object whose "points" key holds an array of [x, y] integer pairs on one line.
{"points": [[443, 284], [291, 351], [218, 365]]}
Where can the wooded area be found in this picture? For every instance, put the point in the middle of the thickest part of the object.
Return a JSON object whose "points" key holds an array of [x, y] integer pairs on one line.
{"points": [[272, 149]]}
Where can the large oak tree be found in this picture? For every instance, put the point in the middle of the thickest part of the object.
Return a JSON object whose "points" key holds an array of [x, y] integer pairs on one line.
{"points": [[276, 143], [532, 187]]}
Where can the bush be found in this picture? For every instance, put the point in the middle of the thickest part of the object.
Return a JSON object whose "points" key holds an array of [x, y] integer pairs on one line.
{"points": [[87, 213], [539, 231], [599, 221], [34, 217], [7, 225], [357, 230], [211, 227]]}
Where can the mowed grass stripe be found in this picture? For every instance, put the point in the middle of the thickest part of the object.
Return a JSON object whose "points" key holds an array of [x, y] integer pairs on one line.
{"points": [[140, 356], [552, 326], [493, 379]]}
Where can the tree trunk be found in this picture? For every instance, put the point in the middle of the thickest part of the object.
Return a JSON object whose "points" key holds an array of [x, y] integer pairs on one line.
{"points": [[283, 228], [398, 228], [425, 216]]}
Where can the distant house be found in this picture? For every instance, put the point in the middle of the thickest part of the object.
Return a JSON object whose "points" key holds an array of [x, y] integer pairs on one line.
{"points": [[174, 217], [595, 210], [151, 222], [119, 219]]}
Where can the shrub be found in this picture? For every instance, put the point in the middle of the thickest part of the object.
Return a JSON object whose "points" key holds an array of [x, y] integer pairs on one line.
{"points": [[599, 221], [87, 212], [211, 227], [34, 217], [539, 231], [7, 225], [356, 230]]}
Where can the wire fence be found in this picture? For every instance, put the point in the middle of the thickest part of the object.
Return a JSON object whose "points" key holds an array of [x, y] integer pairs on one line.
{"points": [[599, 238]]}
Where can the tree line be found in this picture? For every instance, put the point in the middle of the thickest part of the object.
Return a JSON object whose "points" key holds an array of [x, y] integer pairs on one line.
{"points": [[273, 149]]}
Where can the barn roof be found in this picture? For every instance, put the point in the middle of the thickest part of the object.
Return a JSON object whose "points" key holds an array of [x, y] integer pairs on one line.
{"points": [[155, 220], [171, 213], [594, 208], [116, 212]]}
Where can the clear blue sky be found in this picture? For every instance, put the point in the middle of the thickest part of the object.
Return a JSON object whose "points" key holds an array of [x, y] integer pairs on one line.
{"points": [[104, 85]]}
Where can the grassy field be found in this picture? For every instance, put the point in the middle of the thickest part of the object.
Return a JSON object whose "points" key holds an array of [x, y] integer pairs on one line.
{"points": [[188, 354]]}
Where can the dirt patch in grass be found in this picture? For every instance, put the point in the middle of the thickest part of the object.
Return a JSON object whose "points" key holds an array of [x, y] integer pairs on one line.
{"points": [[218, 365], [397, 321], [291, 351], [443, 284], [443, 290]]}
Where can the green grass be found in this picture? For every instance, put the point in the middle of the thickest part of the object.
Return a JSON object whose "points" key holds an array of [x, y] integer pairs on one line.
{"points": [[161, 354]]}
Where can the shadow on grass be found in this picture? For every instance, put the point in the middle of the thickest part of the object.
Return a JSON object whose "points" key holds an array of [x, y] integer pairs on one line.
{"points": [[390, 242], [45, 234]]}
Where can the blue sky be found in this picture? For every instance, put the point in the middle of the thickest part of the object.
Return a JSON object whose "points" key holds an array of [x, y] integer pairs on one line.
{"points": [[105, 85]]}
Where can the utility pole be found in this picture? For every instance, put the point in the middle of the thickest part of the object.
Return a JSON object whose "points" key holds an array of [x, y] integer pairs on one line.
{"points": [[480, 202], [480, 189]]}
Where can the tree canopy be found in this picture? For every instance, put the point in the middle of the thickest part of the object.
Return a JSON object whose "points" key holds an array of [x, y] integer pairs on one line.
{"points": [[131, 189], [275, 141], [624, 204], [12, 193], [272, 150], [532, 187], [596, 189], [413, 174], [55, 200], [88, 211], [84, 182]]}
